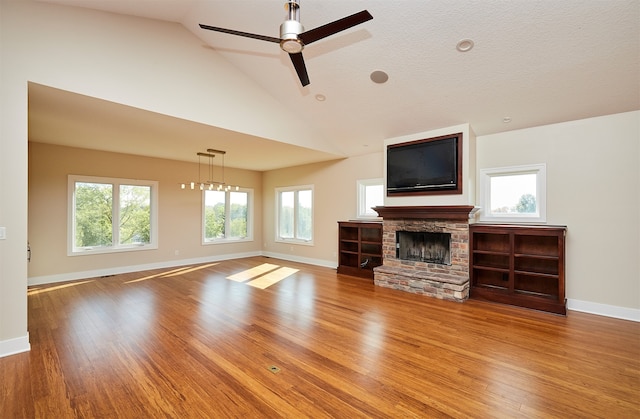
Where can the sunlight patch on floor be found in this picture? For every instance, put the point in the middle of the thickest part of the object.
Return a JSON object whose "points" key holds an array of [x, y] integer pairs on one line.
{"points": [[35, 291], [173, 272], [253, 272], [273, 277], [263, 276]]}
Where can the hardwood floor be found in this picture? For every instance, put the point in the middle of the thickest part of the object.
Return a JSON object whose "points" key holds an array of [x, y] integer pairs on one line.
{"points": [[191, 343]]}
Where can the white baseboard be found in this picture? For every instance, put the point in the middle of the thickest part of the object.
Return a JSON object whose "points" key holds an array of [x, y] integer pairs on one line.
{"points": [[293, 258], [73, 276], [606, 310], [15, 346]]}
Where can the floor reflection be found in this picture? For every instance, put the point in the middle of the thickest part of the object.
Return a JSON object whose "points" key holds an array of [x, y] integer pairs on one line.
{"points": [[373, 340]]}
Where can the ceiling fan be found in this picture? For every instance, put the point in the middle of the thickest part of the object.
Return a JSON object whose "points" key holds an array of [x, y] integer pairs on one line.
{"points": [[293, 38]]}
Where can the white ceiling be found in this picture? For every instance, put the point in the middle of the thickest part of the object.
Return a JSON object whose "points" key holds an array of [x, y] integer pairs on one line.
{"points": [[535, 62]]}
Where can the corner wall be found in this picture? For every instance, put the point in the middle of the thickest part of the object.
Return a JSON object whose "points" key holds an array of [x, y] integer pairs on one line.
{"points": [[335, 199]]}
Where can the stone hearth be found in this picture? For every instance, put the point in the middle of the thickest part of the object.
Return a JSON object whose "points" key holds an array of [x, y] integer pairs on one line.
{"points": [[443, 281]]}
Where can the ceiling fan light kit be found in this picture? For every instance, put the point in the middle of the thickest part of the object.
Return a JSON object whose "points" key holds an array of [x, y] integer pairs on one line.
{"points": [[289, 31], [293, 38]]}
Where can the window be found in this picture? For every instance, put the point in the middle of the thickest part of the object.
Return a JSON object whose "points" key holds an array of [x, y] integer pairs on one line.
{"points": [[227, 216], [370, 194], [294, 218], [513, 194], [111, 215]]}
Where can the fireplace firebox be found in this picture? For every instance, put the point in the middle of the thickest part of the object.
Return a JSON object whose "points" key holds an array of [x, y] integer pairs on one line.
{"points": [[426, 247]]}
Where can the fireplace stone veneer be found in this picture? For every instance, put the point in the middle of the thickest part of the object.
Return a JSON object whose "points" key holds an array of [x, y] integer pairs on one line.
{"points": [[443, 281]]}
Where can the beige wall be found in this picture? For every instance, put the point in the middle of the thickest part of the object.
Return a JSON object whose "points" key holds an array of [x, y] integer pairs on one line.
{"points": [[335, 200], [13, 194], [593, 187], [179, 223]]}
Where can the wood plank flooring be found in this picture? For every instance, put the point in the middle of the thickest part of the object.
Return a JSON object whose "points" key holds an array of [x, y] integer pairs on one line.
{"points": [[190, 343]]}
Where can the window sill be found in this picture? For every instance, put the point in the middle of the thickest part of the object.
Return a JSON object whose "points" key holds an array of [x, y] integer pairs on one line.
{"points": [[106, 250], [295, 241], [227, 241], [513, 220]]}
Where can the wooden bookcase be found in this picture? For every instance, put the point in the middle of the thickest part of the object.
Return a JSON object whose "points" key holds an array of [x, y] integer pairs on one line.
{"points": [[359, 247], [519, 265]]}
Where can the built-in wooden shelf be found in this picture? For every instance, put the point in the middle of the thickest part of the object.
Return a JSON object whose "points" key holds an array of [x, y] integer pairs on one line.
{"points": [[519, 265], [359, 247]]}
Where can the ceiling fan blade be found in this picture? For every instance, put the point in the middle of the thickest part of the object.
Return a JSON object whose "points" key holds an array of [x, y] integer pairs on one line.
{"points": [[334, 27], [245, 34], [301, 69]]}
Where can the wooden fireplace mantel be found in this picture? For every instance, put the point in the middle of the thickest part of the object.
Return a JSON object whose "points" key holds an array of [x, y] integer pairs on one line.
{"points": [[440, 212]]}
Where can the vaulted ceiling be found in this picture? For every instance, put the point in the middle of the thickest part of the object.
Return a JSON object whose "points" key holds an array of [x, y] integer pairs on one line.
{"points": [[532, 63]]}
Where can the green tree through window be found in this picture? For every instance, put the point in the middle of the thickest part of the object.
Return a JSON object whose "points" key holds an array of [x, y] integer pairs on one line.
{"points": [[226, 215], [111, 214], [526, 204], [295, 214], [135, 214], [238, 215], [513, 194], [304, 221], [93, 214]]}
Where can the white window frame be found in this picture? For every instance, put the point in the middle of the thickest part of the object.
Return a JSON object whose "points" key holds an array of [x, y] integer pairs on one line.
{"points": [[227, 218], [72, 250], [361, 193], [294, 189], [540, 170]]}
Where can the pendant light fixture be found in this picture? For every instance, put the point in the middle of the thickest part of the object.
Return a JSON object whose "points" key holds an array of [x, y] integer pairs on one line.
{"points": [[209, 181]]}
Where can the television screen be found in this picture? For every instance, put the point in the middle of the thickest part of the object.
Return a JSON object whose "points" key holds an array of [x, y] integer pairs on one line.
{"points": [[423, 166]]}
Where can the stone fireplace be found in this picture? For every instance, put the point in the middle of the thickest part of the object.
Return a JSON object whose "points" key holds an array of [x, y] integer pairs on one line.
{"points": [[425, 250]]}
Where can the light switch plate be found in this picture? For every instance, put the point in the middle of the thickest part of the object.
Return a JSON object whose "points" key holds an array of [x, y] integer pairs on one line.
{"points": [[3, 233]]}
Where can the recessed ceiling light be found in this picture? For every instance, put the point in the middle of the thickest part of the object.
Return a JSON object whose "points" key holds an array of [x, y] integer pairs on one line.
{"points": [[506, 119], [379, 77], [321, 98], [464, 45]]}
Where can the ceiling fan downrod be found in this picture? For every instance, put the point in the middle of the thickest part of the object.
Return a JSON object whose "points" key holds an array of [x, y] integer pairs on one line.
{"points": [[291, 28]]}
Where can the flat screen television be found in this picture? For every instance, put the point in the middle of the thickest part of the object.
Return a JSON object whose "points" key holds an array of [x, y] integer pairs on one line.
{"points": [[429, 166]]}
